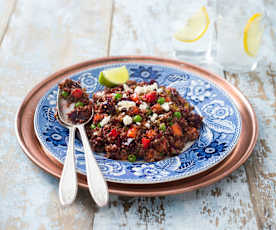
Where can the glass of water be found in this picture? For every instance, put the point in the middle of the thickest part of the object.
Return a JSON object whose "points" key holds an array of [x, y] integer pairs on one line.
{"points": [[192, 29], [239, 33]]}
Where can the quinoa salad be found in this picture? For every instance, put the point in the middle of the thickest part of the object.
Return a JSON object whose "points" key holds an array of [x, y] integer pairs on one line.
{"points": [[140, 121], [75, 102]]}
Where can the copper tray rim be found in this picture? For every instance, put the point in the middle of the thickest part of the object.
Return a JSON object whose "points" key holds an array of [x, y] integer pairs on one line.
{"points": [[113, 186]]}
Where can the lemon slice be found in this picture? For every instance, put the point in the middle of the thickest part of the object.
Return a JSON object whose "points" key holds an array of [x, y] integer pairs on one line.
{"points": [[195, 27], [114, 76], [252, 35]]}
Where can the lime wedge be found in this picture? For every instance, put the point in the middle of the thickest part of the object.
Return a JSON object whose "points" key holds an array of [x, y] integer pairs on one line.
{"points": [[114, 76]]}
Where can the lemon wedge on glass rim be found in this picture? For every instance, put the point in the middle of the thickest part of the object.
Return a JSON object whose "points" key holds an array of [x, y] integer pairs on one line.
{"points": [[195, 27], [114, 76], [252, 35]]}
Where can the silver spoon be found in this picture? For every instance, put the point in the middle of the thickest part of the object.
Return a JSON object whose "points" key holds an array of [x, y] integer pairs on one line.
{"points": [[68, 182]]}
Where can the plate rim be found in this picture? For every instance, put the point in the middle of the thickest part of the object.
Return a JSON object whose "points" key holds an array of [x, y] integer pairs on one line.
{"points": [[145, 59], [145, 181]]}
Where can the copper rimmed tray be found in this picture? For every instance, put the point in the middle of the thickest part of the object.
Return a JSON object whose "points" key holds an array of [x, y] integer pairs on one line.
{"points": [[248, 137]]}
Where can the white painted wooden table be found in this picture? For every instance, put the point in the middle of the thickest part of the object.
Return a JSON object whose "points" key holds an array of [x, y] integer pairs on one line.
{"points": [[39, 37]]}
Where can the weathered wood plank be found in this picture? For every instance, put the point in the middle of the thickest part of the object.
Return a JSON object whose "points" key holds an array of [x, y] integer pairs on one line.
{"points": [[6, 10], [141, 28], [42, 37], [260, 88]]}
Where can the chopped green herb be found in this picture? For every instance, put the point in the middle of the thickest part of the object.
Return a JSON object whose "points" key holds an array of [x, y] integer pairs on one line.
{"points": [[99, 125], [149, 112], [131, 158], [118, 96], [162, 127], [64, 94], [177, 115], [170, 123], [92, 126], [137, 118], [79, 104], [161, 100]]}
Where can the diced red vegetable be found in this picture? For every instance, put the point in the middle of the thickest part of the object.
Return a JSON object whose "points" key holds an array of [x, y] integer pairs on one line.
{"points": [[132, 133], [151, 133], [157, 108], [97, 117], [167, 99], [77, 93], [134, 110], [114, 133], [135, 98], [145, 142], [177, 131], [151, 97]]}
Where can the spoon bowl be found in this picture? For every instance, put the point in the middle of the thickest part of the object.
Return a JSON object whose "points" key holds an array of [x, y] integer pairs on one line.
{"points": [[68, 182]]}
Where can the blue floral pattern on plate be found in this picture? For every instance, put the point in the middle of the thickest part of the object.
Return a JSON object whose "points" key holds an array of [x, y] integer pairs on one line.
{"points": [[218, 135]]}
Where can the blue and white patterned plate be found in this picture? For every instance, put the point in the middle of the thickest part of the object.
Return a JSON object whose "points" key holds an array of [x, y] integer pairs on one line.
{"points": [[218, 136]]}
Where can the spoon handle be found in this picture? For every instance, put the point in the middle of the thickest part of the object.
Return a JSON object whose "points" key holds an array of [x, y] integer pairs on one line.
{"points": [[96, 182], [68, 182]]}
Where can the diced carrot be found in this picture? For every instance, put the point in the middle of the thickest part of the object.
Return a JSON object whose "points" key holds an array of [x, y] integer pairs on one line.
{"points": [[134, 110], [132, 133], [157, 108], [177, 131], [98, 117], [167, 99], [151, 133], [135, 98]]}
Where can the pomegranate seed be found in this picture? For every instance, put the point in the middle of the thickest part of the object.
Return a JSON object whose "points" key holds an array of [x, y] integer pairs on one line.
{"points": [[77, 93]]}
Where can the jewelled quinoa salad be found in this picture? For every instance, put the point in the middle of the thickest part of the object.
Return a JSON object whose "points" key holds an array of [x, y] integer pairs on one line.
{"points": [[141, 121], [75, 102]]}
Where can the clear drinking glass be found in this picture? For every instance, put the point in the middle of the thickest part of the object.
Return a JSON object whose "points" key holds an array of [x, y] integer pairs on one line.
{"points": [[198, 51], [232, 33]]}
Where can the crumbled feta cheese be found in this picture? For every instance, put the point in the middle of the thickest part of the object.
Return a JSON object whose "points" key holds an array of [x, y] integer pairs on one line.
{"points": [[100, 93], [159, 90], [125, 104], [143, 106], [105, 121], [139, 89], [154, 86], [127, 88], [146, 88], [124, 95], [138, 123], [166, 106], [127, 120], [129, 140], [147, 125], [67, 109], [153, 117]]}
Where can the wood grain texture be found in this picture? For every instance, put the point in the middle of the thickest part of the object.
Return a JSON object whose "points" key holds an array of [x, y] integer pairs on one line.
{"points": [[260, 88], [6, 10], [40, 38]]}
